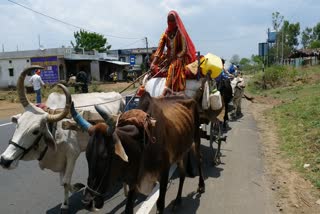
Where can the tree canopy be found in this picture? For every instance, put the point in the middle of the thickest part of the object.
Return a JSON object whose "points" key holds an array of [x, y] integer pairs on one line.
{"points": [[306, 37], [235, 59], [89, 41]]}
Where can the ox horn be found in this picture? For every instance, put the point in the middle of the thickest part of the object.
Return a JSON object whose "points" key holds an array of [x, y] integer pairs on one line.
{"points": [[20, 86], [64, 113], [80, 120], [107, 117]]}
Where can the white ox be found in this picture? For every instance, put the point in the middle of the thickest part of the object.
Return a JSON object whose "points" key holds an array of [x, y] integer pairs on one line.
{"points": [[55, 149]]}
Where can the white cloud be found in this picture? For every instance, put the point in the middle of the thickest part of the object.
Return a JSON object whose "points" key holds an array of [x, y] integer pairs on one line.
{"points": [[223, 27]]}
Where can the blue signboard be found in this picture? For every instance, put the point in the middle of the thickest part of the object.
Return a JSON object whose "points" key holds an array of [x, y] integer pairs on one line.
{"points": [[50, 72], [132, 60], [272, 36], [263, 49]]}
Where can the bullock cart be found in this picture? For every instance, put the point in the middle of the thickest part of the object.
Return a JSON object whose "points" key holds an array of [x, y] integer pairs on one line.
{"points": [[210, 119], [198, 88]]}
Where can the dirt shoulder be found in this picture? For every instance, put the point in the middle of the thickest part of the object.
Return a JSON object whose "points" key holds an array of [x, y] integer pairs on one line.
{"points": [[7, 109], [11, 106], [293, 194]]}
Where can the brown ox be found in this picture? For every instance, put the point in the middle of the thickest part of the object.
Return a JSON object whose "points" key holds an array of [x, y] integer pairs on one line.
{"points": [[121, 153], [177, 128]]}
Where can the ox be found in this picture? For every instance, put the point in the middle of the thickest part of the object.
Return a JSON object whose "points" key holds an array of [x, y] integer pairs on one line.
{"points": [[55, 148], [119, 152], [224, 86], [195, 90], [238, 91]]}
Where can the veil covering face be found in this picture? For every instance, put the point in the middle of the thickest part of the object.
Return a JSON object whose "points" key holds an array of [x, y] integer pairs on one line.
{"points": [[171, 63], [191, 50]]}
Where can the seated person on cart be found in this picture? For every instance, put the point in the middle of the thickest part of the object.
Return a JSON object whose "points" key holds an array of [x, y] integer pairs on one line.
{"points": [[180, 52]]}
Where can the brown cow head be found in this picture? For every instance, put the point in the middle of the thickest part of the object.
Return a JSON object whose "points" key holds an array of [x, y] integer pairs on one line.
{"points": [[105, 155]]}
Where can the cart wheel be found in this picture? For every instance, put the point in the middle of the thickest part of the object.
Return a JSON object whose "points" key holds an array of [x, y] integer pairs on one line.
{"points": [[215, 136]]}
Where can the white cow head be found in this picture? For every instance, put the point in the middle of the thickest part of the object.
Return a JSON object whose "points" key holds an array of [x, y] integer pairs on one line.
{"points": [[31, 128]]}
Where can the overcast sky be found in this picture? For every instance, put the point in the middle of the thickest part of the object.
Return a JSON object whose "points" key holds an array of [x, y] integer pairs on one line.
{"points": [[221, 27]]}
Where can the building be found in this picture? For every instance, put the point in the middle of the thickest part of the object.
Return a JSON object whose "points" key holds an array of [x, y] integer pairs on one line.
{"points": [[303, 57], [61, 63], [137, 57]]}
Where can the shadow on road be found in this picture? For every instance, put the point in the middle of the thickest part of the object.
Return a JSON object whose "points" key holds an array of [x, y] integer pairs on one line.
{"points": [[209, 169], [75, 204], [190, 204]]}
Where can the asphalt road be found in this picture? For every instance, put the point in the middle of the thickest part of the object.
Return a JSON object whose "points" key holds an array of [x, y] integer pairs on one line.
{"points": [[237, 186]]}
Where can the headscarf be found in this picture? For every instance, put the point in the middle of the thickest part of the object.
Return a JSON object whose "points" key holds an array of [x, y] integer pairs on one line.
{"points": [[191, 50]]}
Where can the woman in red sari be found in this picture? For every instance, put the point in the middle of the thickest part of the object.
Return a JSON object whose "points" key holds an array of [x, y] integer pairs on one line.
{"points": [[180, 52]]}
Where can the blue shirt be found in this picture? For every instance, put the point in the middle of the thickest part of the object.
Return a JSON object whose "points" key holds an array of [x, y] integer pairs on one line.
{"points": [[222, 76], [232, 69]]}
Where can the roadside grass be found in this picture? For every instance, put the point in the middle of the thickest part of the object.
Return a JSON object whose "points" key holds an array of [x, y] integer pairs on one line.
{"points": [[297, 117], [282, 76], [298, 123]]}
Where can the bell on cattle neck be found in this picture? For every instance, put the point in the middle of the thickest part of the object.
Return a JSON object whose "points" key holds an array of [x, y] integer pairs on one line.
{"points": [[141, 91]]}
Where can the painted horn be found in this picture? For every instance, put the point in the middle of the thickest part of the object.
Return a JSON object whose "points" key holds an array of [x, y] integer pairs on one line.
{"points": [[64, 113], [79, 119], [107, 118], [20, 86]]}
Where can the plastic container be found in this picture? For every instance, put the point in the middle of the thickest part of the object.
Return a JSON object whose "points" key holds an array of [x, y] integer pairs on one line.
{"points": [[212, 63], [215, 101], [131, 103]]}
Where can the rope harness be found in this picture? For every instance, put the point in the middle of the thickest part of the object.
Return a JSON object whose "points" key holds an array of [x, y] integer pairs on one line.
{"points": [[52, 129], [26, 150]]}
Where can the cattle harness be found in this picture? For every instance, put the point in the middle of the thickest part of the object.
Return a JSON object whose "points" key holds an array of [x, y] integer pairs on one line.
{"points": [[35, 144]]}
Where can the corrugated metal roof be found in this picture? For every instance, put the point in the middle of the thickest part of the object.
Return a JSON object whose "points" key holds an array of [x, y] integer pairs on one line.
{"points": [[305, 53], [33, 53], [118, 62]]}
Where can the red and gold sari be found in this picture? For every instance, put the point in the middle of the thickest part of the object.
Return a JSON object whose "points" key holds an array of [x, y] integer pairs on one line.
{"points": [[180, 52]]}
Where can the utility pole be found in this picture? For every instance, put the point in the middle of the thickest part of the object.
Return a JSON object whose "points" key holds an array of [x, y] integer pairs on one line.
{"points": [[2, 47], [146, 38], [268, 48], [282, 45], [39, 40], [147, 56]]}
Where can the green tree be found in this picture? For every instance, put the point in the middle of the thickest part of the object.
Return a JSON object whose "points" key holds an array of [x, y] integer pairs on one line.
{"points": [[276, 20], [276, 23], [245, 64], [315, 44], [287, 38], [235, 59], [244, 61], [306, 37], [90, 41], [257, 60], [316, 32], [291, 33]]}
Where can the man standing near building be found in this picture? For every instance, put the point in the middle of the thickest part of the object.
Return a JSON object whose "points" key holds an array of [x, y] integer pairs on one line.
{"points": [[37, 82], [83, 79]]}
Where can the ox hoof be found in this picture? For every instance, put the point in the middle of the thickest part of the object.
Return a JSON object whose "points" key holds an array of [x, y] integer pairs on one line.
{"points": [[216, 162], [159, 212], [201, 190]]}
